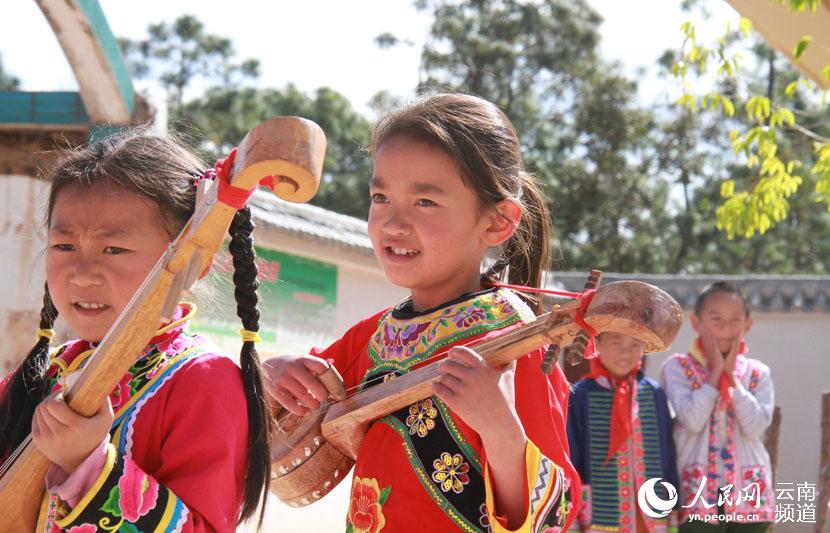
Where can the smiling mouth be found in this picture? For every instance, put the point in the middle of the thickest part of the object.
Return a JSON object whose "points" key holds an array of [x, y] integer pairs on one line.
{"points": [[401, 252], [89, 307]]}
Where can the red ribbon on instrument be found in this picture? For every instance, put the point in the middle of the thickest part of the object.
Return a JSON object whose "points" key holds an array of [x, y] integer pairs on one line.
{"points": [[584, 298]]}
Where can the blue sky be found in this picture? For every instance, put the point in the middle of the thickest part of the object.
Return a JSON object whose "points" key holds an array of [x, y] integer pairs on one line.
{"points": [[325, 42]]}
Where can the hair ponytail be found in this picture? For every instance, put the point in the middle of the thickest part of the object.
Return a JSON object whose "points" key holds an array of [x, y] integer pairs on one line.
{"points": [[259, 418], [527, 254], [27, 387]]}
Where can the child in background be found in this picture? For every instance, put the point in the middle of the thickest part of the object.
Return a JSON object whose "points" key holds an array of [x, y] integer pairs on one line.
{"points": [[723, 402], [487, 452], [620, 434], [182, 442]]}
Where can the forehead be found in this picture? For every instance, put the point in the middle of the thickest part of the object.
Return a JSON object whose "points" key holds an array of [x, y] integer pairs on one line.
{"points": [[104, 209], [723, 303], [407, 161]]}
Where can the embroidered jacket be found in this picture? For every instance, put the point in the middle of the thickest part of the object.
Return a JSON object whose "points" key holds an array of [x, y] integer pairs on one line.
{"points": [[177, 455], [721, 445], [422, 468], [610, 487]]}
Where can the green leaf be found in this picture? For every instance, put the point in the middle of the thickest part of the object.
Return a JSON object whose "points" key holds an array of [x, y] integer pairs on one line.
{"points": [[825, 72], [384, 495], [111, 505], [746, 26], [791, 88], [727, 189], [802, 46], [128, 528], [350, 528], [728, 106]]}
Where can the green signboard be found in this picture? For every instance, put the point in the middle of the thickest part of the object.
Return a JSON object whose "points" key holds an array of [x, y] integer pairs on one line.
{"points": [[297, 304]]}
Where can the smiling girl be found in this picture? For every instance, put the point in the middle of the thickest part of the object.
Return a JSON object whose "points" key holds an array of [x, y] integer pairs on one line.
{"points": [[487, 452]]}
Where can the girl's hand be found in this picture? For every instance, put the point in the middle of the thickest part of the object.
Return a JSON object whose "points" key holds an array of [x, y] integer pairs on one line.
{"points": [[65, 437], [292, 381], [483, 396], [729, 363], [714, 357]]}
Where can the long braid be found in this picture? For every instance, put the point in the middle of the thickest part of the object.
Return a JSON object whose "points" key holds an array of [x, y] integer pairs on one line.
{"points": [[27, 387], [259, 419]]}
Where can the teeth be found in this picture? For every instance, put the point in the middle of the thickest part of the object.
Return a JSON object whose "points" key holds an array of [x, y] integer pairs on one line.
{"points": [[403, 251], [88, 305]]}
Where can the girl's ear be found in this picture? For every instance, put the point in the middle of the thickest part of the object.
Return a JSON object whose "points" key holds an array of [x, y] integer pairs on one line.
{"points": [[503, 220], [695, 320]]}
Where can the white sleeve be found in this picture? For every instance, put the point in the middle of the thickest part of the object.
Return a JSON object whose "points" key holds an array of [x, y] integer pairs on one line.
{"points": [[692, 407], [754, 409]]}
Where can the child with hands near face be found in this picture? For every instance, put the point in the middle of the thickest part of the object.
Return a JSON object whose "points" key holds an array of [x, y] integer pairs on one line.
{"points": [[487, 452], [620, 428], [182, 442], [723, 402]]}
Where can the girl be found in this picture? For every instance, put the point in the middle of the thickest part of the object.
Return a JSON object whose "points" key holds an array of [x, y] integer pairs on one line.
{"points": [[171, 448], [620, 432], [489, 451]]}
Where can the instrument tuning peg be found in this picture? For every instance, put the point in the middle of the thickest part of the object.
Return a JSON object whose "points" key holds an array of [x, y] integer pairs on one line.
{"points": [[550, 358]]}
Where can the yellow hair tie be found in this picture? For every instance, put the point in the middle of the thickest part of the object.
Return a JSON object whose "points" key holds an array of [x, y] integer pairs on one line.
{"points": [[248, 335], [49, 334]]}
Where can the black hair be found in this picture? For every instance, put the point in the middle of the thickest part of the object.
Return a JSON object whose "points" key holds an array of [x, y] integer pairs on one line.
{"points": [[720, 287]]}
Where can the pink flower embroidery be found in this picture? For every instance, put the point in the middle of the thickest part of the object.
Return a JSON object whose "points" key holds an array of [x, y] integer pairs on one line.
{"points": [[121, 395], [549, 529], [139, 492], [83, 528]]}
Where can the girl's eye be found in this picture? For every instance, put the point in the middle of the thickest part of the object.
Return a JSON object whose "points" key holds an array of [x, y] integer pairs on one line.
{"points": [[378, 198], [114, 250], [63, 247], [423, 202]]}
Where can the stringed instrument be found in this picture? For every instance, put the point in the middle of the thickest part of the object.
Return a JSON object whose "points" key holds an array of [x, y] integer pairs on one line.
{"points": [[311, 454], [286, 153]]}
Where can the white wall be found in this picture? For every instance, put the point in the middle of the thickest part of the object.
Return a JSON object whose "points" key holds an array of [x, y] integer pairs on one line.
{"points": [[22, 244]]}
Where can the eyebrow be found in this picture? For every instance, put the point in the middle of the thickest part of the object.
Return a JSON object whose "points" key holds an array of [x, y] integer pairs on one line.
{"points": [[417, 187], [62, 229]]}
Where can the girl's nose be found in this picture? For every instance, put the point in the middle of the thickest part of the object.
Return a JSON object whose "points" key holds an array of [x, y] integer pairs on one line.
{"points": [[85, 273], [396, 226]]}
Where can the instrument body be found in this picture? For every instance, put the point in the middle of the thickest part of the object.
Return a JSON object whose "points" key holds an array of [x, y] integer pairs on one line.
{"points": [[630, 307], [289, 148]]}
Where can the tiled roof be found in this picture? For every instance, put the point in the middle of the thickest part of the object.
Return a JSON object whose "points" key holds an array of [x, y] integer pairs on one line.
{"points": [[765, 293], [310, 222]]}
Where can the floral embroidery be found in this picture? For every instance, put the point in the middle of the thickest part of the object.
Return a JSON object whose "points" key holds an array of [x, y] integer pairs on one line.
{"points": [[139, 492], [365, 510], [409, 341], [473, 315], [123, 392], [397, 341], [421, 417], [484, 519], [451, 472]]}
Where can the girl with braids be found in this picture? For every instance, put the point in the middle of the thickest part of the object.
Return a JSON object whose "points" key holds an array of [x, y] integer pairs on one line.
{"points": [[489, 451], [172, 447]]}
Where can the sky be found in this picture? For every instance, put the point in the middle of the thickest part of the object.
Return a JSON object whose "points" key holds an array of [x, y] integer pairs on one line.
{"points": [[314, 43]]}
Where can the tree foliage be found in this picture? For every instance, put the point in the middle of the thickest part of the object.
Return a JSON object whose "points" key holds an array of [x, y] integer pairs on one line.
{"points": [[224, 116], [181, 53], [766, 121]]}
